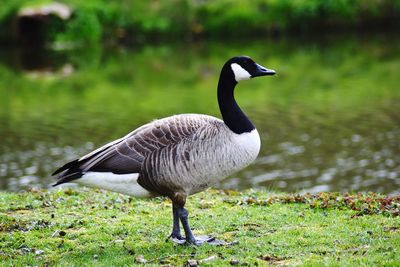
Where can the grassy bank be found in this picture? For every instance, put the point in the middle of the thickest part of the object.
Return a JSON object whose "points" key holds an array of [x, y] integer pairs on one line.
{"points": [[95, 228], [94, 20]]}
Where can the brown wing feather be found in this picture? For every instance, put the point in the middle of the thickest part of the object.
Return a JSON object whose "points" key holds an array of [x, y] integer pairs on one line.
{"points": [[127, 154]]}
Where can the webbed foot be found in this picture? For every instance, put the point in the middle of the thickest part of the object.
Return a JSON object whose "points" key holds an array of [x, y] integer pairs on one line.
{"points": [[176, 238], [204, 239]]}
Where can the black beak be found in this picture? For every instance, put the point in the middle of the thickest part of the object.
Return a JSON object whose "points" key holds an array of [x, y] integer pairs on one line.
{"points": [[261, 71]]}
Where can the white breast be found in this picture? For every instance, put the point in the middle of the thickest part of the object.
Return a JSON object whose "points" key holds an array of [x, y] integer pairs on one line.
{"points": [[222, 157], [249, 142]]}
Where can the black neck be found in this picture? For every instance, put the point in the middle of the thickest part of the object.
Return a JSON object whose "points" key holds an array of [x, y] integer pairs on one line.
{"points": [[231, 113]]}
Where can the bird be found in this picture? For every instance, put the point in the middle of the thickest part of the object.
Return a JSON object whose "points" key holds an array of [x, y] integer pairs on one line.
{"points": [[177, 156]]}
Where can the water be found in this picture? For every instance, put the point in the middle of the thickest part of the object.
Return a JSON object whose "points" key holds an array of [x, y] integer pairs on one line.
{"points": [[329, 121]]}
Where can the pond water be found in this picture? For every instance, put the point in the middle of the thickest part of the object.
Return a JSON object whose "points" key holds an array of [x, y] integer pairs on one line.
{"points": [[329, 120]]}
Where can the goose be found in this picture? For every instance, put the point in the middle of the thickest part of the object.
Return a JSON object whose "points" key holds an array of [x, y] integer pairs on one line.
{"points": [[177, 156]]}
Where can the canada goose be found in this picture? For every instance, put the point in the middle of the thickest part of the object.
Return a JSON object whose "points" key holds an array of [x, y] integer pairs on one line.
{"points": [[179, 155]]}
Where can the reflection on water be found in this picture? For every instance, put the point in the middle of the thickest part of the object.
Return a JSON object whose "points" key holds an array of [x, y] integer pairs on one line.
{"points": [[329, 121]]}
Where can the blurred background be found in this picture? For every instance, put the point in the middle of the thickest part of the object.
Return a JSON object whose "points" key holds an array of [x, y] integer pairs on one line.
{"points": [[77, 74]]}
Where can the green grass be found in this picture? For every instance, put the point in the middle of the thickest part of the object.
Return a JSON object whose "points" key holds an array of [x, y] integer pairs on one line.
{"points": [[96, 228]]}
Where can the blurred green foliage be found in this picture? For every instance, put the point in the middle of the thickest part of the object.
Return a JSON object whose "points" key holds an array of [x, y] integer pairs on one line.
{"points": [[84, 26], [138, 20]]}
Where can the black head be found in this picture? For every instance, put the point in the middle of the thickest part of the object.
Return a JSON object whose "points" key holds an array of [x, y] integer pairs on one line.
{"points": [[244, 68]]}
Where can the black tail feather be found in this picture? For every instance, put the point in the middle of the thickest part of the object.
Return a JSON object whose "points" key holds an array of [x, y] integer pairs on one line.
{"points": [[68, 178], [68, 172], [67, 166]]}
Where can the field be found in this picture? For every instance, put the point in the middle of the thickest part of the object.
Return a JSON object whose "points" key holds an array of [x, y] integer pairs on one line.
{"points": [[94, 228]]}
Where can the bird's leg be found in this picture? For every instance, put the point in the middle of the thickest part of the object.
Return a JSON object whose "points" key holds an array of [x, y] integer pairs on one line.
{"points": [[190, 238], [176, 230], [183, 216], [179, 201]]}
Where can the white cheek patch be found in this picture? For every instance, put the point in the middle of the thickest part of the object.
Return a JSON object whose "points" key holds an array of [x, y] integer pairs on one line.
{"points": [[240, 73]]}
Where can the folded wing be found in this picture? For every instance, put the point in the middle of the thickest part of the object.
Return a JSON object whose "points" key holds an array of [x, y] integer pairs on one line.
{"points": [[127, 155]]}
